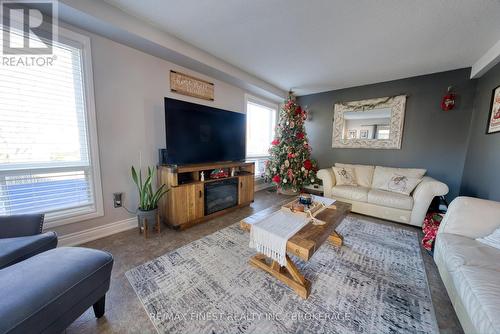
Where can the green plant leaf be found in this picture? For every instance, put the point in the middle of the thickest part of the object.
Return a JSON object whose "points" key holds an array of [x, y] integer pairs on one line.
{"points": [[158, 195], [134, 177], [148, 198]]}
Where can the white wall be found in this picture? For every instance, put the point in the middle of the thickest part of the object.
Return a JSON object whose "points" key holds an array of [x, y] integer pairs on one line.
{"points": [[129, 90]]}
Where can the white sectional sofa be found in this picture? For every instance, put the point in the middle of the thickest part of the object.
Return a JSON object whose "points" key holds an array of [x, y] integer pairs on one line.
{"points": [[471, 269], [374, 195]]}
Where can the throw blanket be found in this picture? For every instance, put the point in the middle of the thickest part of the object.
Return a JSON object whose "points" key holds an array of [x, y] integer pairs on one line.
{"points": [[270, 235]]}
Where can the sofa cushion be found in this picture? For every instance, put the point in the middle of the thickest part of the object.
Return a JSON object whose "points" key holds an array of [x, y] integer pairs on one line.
{"points": [[13, 250], [399, 180], [402, 184], [390, 199], [353, 193], [38, 291], [364, 174], [344, 176], [460, 251], [479, 291]]}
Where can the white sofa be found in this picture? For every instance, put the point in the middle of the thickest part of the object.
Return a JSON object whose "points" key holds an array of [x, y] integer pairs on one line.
{"points": [[372, 201], [470, 269]]}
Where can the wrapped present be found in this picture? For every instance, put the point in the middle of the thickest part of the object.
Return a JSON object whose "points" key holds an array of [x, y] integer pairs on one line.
{"points": [[430, 228]]}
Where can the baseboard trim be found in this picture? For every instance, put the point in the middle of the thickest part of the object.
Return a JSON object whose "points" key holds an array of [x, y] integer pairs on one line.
{"points": [[78, 238]]}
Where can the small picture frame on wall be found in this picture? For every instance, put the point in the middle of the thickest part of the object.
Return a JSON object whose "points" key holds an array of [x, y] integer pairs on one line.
{"points": [[363, 134], [494, 119], [352, 134]]}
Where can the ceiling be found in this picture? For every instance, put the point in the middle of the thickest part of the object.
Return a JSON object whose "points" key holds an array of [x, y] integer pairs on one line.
{"points": [[319, 45]]}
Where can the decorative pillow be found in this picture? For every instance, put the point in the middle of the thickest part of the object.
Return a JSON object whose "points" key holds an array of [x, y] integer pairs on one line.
{"points": [[400, 184], [398, 180], [345, 176], [409, 172], [364, 174], [492, 240]]}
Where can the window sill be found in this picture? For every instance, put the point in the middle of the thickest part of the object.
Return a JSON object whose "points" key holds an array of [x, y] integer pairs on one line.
{"points": [[257, 157]]}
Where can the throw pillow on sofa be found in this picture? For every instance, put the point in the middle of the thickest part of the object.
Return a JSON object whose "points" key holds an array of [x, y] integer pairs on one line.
{"points": [[345, 176], [364, 173], [398, 180], [492, 240]]}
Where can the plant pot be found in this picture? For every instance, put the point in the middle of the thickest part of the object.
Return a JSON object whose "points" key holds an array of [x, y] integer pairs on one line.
{"points": [[149, 216], [289, 192]]}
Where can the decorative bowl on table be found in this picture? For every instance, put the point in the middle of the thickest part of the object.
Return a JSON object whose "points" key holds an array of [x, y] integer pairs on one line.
{"points": [[305, 199]]}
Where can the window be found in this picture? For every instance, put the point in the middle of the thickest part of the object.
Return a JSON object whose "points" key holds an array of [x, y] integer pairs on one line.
{"points": [[383, 132], [48, 140], [261, 121]]}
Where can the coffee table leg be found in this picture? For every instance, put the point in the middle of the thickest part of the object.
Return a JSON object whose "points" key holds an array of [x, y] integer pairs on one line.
{"points": [[336, 239], [289, 274]]}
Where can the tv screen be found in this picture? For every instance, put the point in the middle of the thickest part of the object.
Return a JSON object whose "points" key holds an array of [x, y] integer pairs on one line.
{"points": [[197, 133]]}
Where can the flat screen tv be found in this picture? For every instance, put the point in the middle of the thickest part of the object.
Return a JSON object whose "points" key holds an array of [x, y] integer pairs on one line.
{"points": [[196, 133]]}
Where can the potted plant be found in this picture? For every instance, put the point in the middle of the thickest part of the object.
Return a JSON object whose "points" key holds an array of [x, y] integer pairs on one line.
{"points": [[148, 199]]}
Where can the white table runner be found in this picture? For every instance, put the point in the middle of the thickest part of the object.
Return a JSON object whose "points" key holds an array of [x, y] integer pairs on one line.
{"points": [[270, 235]]}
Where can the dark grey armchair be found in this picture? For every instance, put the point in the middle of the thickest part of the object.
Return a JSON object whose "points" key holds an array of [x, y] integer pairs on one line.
{"points": [[21, 237]]}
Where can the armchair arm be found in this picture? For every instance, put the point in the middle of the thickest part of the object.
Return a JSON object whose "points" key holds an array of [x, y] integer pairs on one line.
{"points": [[423, 195], [471, 217], [328, 178], [20, 225]]}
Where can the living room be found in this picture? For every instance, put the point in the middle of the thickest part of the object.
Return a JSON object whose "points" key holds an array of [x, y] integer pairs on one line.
{"points": [[250, 167]]}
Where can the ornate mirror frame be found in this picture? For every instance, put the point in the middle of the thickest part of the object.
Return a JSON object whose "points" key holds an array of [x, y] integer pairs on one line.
{"points": [[397, 105]]}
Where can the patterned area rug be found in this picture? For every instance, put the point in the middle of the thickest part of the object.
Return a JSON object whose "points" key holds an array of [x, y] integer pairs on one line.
{"points": [[375, 283]]}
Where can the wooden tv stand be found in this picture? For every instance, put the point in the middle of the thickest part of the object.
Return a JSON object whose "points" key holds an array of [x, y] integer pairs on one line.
{"points": [[184, 205]]}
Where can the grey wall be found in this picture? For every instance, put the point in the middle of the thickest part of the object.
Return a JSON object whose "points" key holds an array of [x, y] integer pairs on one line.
{"points": [[481, 173], [432, 139]]}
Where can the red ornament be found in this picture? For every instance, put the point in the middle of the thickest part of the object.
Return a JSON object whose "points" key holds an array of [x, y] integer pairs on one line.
{"points": [[448, 101], [276, 179], [291, 155], [308, 164], [275, 142], [298, 111], [300, 135]]}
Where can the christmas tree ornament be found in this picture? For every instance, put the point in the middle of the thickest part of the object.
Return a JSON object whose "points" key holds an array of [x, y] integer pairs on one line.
{"points": [[290, 166]]}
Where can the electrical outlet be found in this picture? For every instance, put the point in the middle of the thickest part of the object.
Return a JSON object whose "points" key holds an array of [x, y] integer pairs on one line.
{"points": [[117, 200]]}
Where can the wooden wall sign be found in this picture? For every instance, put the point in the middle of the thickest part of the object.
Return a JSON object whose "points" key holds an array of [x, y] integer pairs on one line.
{"points": [[187, 85]]}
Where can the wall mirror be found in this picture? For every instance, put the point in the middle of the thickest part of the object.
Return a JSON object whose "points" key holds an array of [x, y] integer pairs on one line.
{"points": [[374, 123]]}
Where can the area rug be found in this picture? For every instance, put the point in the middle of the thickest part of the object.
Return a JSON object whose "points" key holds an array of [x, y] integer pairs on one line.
{"points": [[375, 283]]}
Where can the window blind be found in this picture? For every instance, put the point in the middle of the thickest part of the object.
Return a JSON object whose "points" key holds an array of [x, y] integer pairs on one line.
{"points": [[45, 164]]}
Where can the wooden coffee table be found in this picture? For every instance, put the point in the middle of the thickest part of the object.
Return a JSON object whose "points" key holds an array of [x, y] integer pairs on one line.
{"points": [[303, 245]]}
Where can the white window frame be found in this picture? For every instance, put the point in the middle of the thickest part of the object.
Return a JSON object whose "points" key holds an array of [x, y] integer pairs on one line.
{"points": [[265, 103], [68, 216]]}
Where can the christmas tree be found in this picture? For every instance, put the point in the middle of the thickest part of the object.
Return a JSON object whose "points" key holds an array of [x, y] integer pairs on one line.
{"points": [[290, 166]]}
